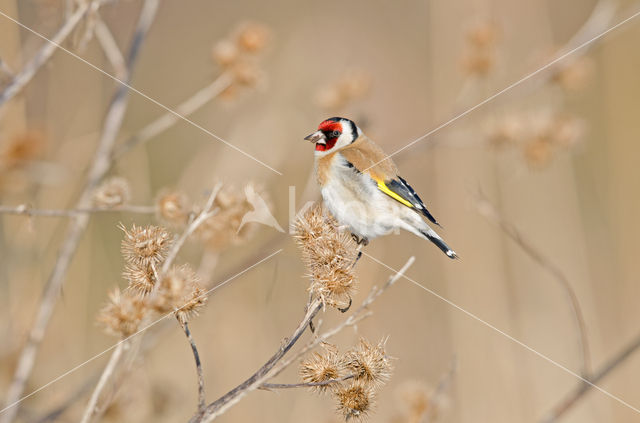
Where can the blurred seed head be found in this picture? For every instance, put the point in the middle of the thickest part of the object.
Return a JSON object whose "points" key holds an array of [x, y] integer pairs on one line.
{"points": [[123, 314], [479, 56], [246, 73], [223, 229], [114, 191], [507, 130], [538, 152], [355, 400], [329, 255], [144, 247], [574, 75], [253, 37], [321, 367], [416, 400], [225, 53], [351, 86], [21, 149], [173, 207], [369, 363]]}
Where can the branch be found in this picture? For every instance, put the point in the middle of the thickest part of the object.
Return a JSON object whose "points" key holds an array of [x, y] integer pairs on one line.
{"points": [[270, 386], [26, 210], [583, 387], [22, 79], [171, 256], [196, 356], [274, 365], [102, 382], [110, 48], [99, 166], [264, 373], [167, 120], [359, 314], [486, 209]]}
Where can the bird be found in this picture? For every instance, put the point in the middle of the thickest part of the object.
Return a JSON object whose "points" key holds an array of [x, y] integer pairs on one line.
{"points": [[362, 189]]}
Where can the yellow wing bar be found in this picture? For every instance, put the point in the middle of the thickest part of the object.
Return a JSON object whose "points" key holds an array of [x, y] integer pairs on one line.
{"points": [[382, 187]]}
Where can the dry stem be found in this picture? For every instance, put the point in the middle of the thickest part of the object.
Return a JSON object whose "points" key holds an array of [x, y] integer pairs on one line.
{"points": [[275, 364], [26, 210], [196, 356], [102, 382], [270, 386], [583, 387], [184, 109], [99, 166], [486, 209], [24, 77]]}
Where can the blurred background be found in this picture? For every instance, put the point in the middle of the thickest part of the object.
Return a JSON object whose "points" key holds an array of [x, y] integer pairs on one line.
{"points": [[536, 190]]}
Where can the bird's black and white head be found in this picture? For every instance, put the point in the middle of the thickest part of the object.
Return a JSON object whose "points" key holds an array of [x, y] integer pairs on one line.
{"points": [[333, 134]]}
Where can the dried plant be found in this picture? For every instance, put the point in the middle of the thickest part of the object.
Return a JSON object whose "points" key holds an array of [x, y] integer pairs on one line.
{"points": [[329, 255], [350, 87], [145, 247], [123, 314], [355, 400], [173, 207], [113, 192], [322, 367], [479, 57], [369, 363]]}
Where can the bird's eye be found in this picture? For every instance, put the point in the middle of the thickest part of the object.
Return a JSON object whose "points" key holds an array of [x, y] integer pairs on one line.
{"points": [[335, 134]]}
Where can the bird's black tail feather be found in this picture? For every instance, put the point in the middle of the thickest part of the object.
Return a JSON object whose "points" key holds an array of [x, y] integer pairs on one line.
{"points": [[433, 237]]}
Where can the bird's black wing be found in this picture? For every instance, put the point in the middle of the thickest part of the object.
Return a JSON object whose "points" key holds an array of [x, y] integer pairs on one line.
{"points": [[402, 189]]}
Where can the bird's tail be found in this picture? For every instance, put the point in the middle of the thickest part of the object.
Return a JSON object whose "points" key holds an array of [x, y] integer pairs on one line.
{"points": [[432, 236]]}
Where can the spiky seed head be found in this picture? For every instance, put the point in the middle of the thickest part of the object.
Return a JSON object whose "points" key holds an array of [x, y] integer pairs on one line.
{"points": [[123, 314], [180, 292], [329, 255], [112, 192], [369, 363], [141, 279], [355, 400], [146, 246], [321, 367]]}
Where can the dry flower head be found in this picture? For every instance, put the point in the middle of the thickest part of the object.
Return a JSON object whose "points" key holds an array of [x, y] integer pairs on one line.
{"points": [[223, 229], [321, 367], [112, 192], [355, 400], [329, 255], [123, 314], [253, 37], [369, 363], [173, 207], [141, 279], [144, 246], [21, 149], [351, 86], [180, 292]]}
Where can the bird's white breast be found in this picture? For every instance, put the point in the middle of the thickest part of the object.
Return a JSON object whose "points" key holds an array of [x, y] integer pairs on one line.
{"points": [[355, 200]]}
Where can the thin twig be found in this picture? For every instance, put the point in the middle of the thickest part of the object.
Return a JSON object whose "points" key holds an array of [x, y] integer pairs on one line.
{"points": [[26, 210], [359, 314], [275, 364], [110, 48], [205, 214], [99, 166], [184, 109], [196, 356], [486, 209], [582, 388], [102, 382], [229, 399], [269, 386], [20, 80]]}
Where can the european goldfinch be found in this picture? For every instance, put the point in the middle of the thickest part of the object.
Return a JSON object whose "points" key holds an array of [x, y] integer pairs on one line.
{"points": [[361, 187]]}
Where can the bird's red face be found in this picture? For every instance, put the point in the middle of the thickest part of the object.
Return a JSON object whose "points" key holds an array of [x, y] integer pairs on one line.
{"points": [[327, 135]]}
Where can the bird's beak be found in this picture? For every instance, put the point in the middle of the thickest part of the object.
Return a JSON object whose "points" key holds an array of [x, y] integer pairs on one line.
{"points": [[317, 137]]}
